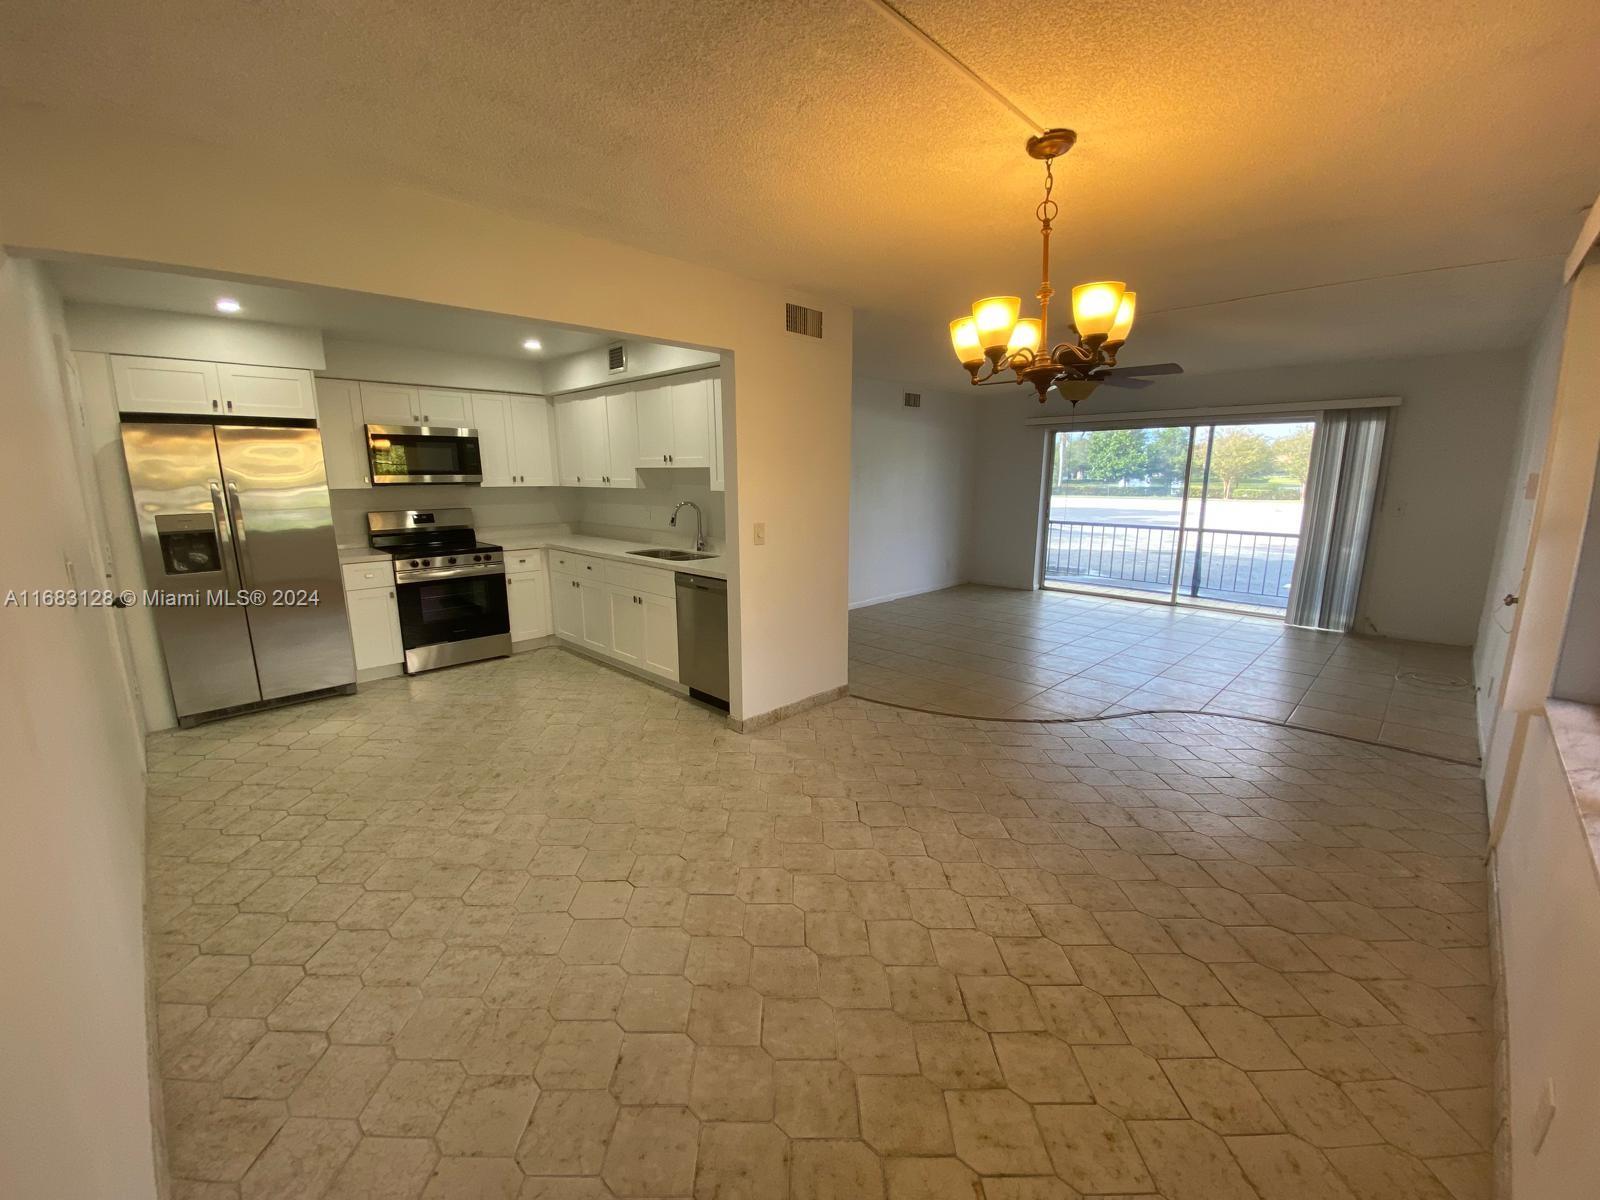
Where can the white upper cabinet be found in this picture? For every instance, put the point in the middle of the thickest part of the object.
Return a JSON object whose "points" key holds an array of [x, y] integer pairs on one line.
{"points": [[569, 440], [654, 407], [401, 404], [718, 471], [205, 389], [533, 457], [513, 439], [596, 439], [267, 392], [674, 423], [491, 417], [166, 385], [388, 404], [344, 442], [622, 439], [440, 406]]}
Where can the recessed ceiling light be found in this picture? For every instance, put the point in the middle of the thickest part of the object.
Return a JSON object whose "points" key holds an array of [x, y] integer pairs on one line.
{"points": [[532, 344], [228, 304]]}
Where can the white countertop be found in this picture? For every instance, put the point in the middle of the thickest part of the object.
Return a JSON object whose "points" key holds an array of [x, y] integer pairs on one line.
{"points": [[717, 566], [534, 538]]}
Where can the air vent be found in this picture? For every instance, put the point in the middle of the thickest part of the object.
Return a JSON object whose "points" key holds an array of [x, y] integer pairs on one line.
{"points": [[799, 319], [617, 358], [913, 399]]}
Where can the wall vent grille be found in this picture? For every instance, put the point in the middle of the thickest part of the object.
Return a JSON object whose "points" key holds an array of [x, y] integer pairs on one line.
{"points": [[913, 399], [799, 319], [617, 358]]}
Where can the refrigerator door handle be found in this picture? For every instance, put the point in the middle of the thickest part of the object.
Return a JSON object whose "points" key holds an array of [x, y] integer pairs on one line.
{"points": [[224, 535], [237, 510]]}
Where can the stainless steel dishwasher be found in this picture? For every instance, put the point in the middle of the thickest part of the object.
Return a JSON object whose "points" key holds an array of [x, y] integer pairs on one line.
{"points": [[703, 637]]}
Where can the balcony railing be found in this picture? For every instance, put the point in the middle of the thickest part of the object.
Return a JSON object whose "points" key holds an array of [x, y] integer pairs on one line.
{"points": [[1226, 565]]}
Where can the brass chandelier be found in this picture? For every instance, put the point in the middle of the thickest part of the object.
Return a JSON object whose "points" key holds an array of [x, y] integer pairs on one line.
{"points": [[995, 340]]}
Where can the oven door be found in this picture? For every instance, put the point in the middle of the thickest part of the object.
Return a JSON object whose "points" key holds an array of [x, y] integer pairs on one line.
{"points": [[423, 454], [443, 612]]}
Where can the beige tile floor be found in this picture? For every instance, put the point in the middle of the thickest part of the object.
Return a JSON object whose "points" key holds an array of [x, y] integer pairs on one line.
{"points": [[531, 929], [994, 652]]}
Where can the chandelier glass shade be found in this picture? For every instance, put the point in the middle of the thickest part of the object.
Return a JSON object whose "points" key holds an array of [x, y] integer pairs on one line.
{"points": [[997, 344]]}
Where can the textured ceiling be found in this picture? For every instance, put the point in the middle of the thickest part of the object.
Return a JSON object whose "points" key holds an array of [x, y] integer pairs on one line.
{"points": [[1227, 150]]}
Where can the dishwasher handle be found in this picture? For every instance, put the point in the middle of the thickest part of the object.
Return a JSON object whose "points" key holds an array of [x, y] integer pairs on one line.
{"points": [[700, 583]]}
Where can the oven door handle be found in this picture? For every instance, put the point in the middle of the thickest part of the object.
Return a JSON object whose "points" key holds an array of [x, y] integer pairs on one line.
{"points": [[404, 577]]}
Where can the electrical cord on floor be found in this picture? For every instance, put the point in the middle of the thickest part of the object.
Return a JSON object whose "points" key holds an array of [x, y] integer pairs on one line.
{"points": [[1166, 712]]}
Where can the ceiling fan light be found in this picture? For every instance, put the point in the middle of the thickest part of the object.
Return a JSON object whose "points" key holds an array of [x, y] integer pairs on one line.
{"points": [[1124, 321], [995, 317], [1026, 335], [964, 337], [1094, 307]]}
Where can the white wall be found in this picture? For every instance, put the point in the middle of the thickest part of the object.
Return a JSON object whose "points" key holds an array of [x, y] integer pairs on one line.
{"points": [[1448, 453], [913, 473], [591, 368], [1544, 862], [1549, 902], [112, 329], [386, 362], [1566, 477], [787, 398], [75, 1092]]}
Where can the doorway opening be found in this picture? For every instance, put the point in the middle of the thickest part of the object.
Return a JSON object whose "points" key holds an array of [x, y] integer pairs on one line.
{"points": [[1204, 514]]}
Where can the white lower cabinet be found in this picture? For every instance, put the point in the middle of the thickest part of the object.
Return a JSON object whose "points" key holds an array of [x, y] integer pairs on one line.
{"points": [[374, 619], [596, 616], [566, 606], [621, 611], [660, 634], [627, 625], [528, 599]]}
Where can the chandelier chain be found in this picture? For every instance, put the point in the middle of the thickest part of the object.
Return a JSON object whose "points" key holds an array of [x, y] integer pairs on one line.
{"points": [[1047, 210]]}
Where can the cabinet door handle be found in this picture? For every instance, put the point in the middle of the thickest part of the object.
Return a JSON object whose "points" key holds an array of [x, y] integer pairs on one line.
{"points": [[214, 406], [230, 405]]}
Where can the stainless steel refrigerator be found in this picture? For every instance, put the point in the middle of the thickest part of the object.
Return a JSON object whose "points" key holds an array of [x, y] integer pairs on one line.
{"points": [[240, 562]]}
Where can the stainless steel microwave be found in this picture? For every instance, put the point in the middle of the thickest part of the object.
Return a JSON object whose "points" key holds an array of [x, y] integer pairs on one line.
{"points": [[423, 454]]}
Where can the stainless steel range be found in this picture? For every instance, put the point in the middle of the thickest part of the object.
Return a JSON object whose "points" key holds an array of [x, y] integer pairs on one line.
{"points": [[450, 587]]}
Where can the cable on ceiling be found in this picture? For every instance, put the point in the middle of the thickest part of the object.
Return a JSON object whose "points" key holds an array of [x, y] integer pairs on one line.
{"points": [[933, 44]]}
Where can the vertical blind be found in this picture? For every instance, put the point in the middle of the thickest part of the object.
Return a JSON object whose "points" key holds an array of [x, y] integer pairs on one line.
{"points": [[1340, 496]]}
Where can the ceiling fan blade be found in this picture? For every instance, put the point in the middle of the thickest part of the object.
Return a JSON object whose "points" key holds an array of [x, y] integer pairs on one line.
{"points": [[1124, 381], [1167, 368]]}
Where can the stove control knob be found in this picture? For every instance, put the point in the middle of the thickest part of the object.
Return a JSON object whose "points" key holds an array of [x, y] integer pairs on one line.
{"points": [[451, 560], [415, 563]]}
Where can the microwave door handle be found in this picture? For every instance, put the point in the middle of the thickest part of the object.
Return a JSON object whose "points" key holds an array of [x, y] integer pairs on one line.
{"points": [[237, 511], [219, 514]]}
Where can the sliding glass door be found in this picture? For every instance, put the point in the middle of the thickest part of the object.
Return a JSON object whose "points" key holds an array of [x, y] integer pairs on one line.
{"points": [[1197, 513]]}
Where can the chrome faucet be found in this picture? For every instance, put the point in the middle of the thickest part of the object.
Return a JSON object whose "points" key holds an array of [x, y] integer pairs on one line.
{"points": [[699, 522]]}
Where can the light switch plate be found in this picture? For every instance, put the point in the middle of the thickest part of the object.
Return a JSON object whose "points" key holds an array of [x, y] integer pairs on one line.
{"points": [[761, 533]]}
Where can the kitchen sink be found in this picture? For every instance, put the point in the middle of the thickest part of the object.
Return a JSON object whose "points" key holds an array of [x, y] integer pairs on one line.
{"points": [[671, 555]]}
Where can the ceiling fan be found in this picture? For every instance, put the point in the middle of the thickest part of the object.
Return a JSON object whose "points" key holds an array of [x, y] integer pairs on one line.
{"points": [[996, 339]]}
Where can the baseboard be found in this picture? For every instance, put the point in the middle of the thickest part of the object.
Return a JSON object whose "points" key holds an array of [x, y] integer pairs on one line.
{"points": [[621, 668], [784, 711], [921, 591]]}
